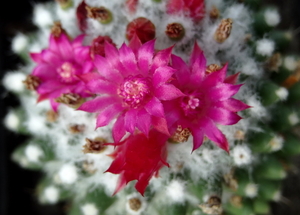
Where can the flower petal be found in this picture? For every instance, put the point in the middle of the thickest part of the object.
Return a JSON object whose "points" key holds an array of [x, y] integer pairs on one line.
{"points": [[223, 91], [50, 57], [77, 42], [81, 54], [101, 86], [65, 47], [167, 92], [162, 75], [128, 59], [232, 79], [145, 55], [162, 58], [108, 114], [160, 124], [36, 57], [232, 104], [130, 120], [135, 43], [54, 105], [214, 78], [223, 116], [154, 107], [118, 130], [197, 138], [214, 134], [143, 121], [198, 65], [105, 70], [49, 86], [182, 70], [98, 104], [44, 72]]}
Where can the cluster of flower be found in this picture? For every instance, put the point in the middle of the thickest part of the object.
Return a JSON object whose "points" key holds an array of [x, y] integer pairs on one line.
{"points": [[153, 94]]}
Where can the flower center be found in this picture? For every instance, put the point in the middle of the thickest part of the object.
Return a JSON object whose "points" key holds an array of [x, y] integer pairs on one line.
{"points": [[67, 72], [189, 104], [134, 91]]}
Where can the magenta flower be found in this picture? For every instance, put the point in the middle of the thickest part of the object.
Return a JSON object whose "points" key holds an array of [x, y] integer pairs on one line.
{"points": [[208, 100], [58, 68], [191, 8], [131, 84], [139, 157]]}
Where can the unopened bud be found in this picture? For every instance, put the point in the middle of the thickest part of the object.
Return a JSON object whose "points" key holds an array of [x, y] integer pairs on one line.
{"points": [[181, 135], [57, 29], [223, 31], [142, 27], [32, 82], [236, 201], [89, 167], [75, 129], [135, 204], [101, 14], [98, 43], [94, 146], [65, 4], [71, 99], [51, 116], [274, 62], [212, 206], [175, 31], [214, 12], [212, 68]]}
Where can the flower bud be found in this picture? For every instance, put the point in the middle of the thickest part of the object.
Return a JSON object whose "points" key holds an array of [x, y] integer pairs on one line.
{"points": [[175, 31], [223, 31], [101, 14], [65, 4], [142, 27]]}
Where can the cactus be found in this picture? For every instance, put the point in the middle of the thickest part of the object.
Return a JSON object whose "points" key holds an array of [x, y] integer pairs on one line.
{"points": [[195, 113]]}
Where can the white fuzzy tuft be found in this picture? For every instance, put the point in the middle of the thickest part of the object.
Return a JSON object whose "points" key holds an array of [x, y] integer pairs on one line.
{"points": [[89, 209], [293, 119], [277, 196], [34, 153], [68, 174], [42, 16], [175, 191], [290, 63], [282, 93], [276, 143], [141, 203], [241, 155], [19, 43], [12, 121], [272, 17], [265, 47], [51, 194], [251, 190], [13, 81]]}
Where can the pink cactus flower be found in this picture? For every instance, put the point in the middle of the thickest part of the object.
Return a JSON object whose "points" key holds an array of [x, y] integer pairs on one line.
{"points": [[132, 5], [208, 100], [139, 158], [191, 8], [131, 84], [58, 68]]}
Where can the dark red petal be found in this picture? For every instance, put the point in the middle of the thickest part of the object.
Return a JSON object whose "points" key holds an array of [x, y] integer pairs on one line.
{"points": [[81, 15], [131, 5], [142, 27]]}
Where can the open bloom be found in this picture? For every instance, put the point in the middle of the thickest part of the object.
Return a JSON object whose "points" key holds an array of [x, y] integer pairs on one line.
{"points": [[131, 84], [59, 66], [208, 100], [191, 8], [139, 158]]}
